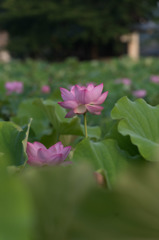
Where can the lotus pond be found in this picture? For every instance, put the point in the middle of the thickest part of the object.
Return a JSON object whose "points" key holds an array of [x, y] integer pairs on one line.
{"points": [[79, 150]]}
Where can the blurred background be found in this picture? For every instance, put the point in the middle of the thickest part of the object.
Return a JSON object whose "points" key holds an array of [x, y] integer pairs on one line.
{"points": [[86, 29]]}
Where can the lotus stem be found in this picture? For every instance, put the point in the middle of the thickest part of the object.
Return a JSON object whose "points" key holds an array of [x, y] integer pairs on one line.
{"points": [[85, 125]]}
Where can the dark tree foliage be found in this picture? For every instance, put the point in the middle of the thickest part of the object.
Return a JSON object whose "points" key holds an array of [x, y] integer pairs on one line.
{"points": [[58, 28]]}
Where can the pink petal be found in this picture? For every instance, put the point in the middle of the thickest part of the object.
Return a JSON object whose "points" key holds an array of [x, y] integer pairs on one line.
{"points": [[56, 159], [80, 97], [98, 90], [94, 94], [56, 148], [34, 162], [68, 104], [80, 94], [39, 145], [79, 87], [66, 95], [55, 155], [31, 150], [47, 159], [73, 90], [97, 113], [70, 114], [76, 86], [90, 86], [94, 109], [43, 155], [52, 150], [101, 99], [65, 152]]}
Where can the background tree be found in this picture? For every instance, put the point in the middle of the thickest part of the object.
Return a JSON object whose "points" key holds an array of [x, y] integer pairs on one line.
{"points": [[58, 28]]}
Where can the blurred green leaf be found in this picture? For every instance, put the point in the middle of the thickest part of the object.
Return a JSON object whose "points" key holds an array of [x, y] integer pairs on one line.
{"points": [[129, 212], [132, 208], [68, 204], [16, 217], [11, 146], [57, 192]]}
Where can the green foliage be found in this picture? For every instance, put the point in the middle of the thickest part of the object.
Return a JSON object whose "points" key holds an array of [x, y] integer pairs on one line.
{"points": [[36, 74], [56, 115], [16, 217], [134, 204], [104, 155], [27, 110], [57, 202], [57, 193], [49, 123], [11, 146], [68, 204], [141, 122]]}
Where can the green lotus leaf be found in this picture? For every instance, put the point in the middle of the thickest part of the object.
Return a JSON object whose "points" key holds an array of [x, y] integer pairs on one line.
{"points": [[12, 139], [140, 121], [27, 110]]}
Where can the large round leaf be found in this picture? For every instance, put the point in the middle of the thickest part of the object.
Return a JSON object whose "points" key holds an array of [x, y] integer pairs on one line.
{"points": [[141, 122]]}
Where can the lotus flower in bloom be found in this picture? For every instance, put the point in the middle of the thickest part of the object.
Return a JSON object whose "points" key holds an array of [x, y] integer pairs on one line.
{"points": [[154, 79], [45, 89], [81, 99], [140, 93], [15, 86], [125, 81], [39, 155]]}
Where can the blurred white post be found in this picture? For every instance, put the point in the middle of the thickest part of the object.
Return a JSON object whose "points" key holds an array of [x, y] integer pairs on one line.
{"points": [[133, 44], [4, 54]]}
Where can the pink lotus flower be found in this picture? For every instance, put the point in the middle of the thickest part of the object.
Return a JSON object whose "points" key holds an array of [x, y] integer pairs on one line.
{"points": [[15, 86], [125, 81], [154, 79], [140, 93], [39, 155], [81, 99], [45, 89]]}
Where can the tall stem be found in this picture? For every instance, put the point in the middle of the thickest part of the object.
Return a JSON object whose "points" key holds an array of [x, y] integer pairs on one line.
{"points": [[85, 125]]}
